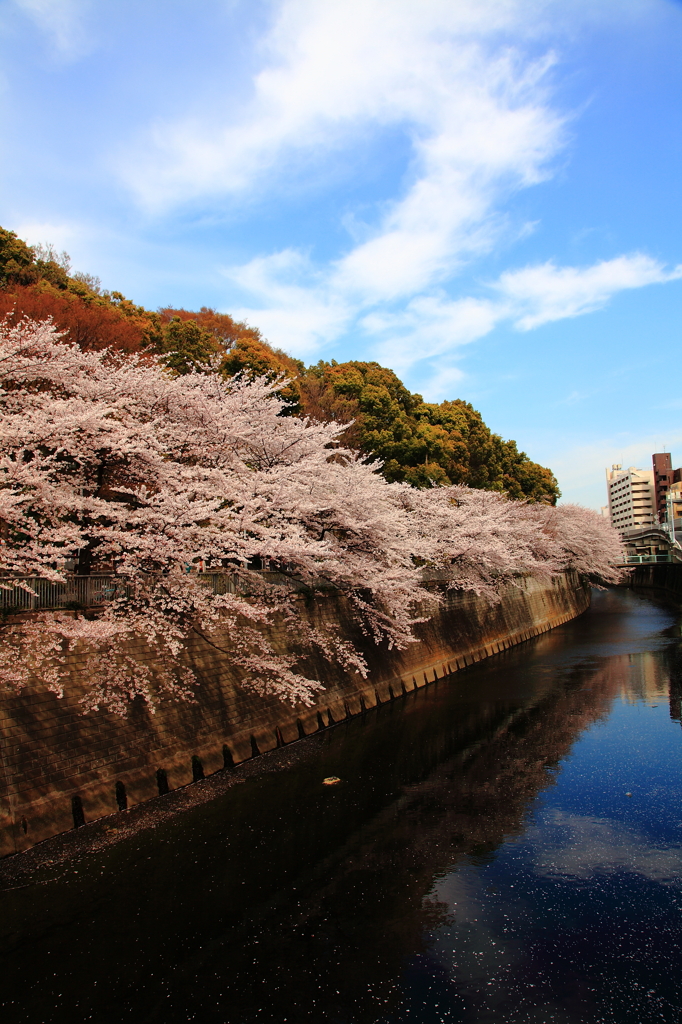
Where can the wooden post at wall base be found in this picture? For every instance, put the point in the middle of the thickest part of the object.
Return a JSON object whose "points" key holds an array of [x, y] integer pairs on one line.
{"points": [[162, 781], [77, 811], [197, 769]]}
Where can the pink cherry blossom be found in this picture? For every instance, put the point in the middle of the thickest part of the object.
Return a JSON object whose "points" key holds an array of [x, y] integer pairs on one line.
{"points": [[110, 462]]}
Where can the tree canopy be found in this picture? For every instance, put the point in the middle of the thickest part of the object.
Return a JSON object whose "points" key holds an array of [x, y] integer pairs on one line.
{"points": [[111, 460], [420, 443]]}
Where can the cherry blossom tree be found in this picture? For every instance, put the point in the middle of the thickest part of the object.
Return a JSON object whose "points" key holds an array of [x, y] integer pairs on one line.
{"points": [[587, 542], [109, 463], [481, 541]]}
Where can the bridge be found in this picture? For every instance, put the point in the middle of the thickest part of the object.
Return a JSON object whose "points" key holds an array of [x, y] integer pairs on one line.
{"points": [[650, 545]]}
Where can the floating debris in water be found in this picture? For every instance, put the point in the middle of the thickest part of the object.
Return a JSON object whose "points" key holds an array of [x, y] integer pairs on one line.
{"points": [[331, 780]]}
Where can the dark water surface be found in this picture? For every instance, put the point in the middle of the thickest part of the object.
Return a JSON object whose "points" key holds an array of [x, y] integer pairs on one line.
{"points": [[504, 847]]}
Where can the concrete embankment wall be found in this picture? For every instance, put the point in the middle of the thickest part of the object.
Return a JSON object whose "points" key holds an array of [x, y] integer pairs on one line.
{"points": [[665, 576], [52, 753]]}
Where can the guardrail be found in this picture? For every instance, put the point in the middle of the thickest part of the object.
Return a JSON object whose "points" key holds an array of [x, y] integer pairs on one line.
{"points": [[32, 593], [647, 559]]}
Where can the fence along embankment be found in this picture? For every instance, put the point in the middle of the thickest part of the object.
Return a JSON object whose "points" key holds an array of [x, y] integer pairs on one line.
{"points": [[61, 768]]}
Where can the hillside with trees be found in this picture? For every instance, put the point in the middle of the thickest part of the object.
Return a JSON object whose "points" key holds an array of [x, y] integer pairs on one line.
{"points": [[420, 443]]}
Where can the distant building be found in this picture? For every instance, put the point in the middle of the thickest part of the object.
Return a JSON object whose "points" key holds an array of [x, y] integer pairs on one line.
{"points": [[665, 479], [632, 498], [674, 510]]}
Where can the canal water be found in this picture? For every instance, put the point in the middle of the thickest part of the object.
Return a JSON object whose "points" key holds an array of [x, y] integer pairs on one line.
{"points": [[504, 847]]}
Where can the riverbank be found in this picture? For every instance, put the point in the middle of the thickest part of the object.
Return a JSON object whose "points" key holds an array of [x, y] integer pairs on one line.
{"points": [[503, 845], [63, 768], [62, 854], [664, 577]]}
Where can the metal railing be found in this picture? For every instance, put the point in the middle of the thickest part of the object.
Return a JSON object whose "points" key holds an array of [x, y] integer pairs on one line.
{"points": [[647, 559], [31, 593]]}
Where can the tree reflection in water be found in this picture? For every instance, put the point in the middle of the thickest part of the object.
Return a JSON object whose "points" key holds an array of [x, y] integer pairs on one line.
{"points": [[478, 861]]}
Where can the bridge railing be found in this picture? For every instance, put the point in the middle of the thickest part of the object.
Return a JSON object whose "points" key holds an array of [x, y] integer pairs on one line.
{"points": [[647, 559]]}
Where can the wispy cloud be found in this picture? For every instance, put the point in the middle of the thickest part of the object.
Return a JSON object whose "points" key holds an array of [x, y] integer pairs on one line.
{"points": [[467, 85], [468, 88], [63, 23], [429, 325], [331, 70], [547, 292]]}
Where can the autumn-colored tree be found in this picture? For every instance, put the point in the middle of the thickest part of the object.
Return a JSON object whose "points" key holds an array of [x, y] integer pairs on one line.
{"points": [[241, 348], [91, 322], [418, 442]]}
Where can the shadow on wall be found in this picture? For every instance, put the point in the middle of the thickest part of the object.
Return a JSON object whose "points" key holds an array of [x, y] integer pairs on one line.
{"points": [[62, 768]]}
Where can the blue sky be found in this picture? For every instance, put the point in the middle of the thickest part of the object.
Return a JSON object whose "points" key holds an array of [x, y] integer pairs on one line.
{"points": [[483, 195]]}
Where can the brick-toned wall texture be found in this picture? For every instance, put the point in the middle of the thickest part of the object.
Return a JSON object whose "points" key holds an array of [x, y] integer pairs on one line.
{"points": [[52, 753]]}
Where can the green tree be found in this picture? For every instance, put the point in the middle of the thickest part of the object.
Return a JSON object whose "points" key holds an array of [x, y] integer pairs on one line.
{"points": [[420, 442], [185, 346], [16, 260]]}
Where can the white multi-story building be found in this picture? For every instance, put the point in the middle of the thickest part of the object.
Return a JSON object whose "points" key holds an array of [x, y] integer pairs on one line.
{"points": [[632, 497]]}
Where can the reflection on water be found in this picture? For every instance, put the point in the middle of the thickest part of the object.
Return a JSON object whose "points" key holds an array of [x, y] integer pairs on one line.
{"points": [[503, 847]]}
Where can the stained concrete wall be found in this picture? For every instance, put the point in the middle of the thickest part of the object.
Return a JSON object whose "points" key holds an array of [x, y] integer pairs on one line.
{"points": [[666, 576], [51, 752]]}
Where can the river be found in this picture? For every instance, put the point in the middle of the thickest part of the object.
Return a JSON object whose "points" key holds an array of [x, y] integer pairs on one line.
{"points": [[503, 846]]}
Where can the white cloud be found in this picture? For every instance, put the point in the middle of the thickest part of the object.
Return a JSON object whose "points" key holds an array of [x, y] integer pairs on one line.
{"points": [[330, 70], [547, 292], [61, 234], [301, 313], [295, 296], [577, 846], [466, 85], [475, 114], [62, 21], [427, 327]]}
